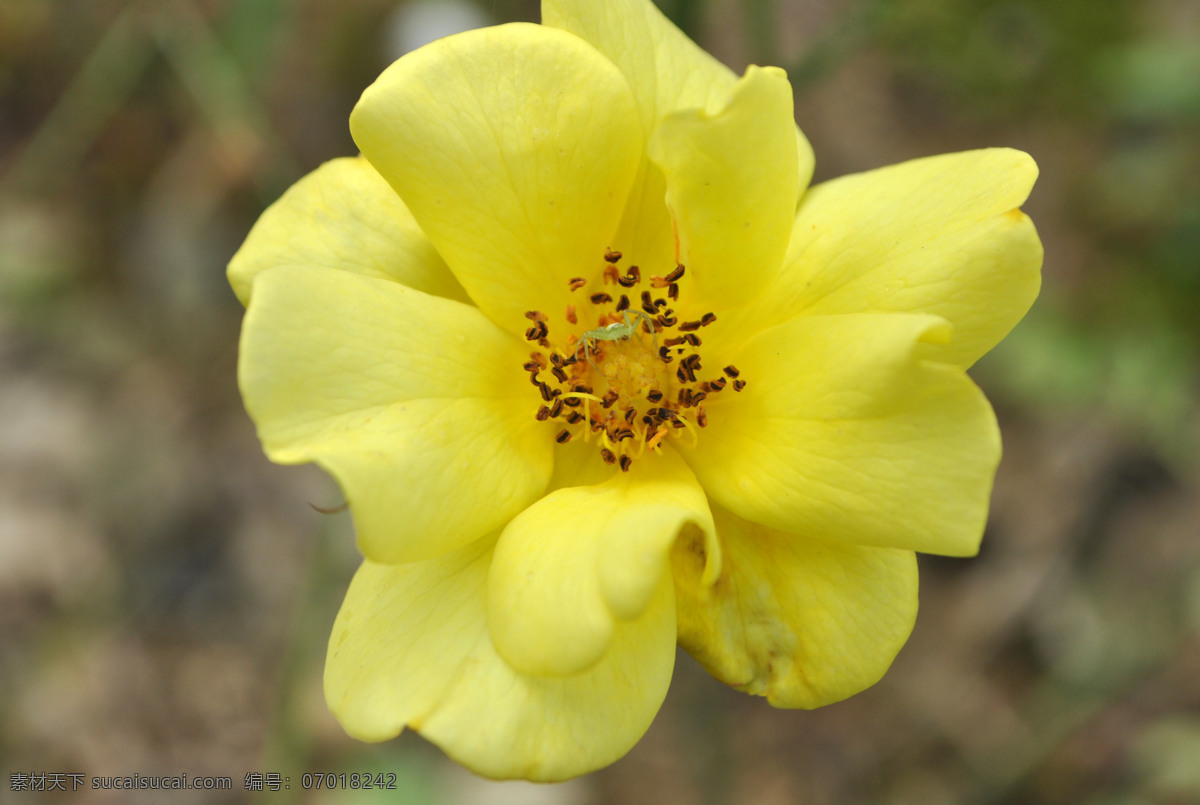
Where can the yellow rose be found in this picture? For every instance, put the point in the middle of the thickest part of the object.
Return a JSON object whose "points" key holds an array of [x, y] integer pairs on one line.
{"points": [[560, 465]]}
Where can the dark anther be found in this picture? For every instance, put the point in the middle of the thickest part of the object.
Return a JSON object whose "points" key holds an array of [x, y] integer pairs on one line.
{"points": [[631, 278]]}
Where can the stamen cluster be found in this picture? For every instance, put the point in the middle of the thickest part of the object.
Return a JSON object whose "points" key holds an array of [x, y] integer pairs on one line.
{"points": [[608, 383]]}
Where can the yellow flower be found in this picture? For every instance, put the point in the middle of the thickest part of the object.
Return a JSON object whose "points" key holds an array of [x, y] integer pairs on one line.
{"points": [[548, 495]]}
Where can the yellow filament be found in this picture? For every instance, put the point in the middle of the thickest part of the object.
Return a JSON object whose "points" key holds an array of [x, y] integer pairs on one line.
{"points": [[691, 429], [657, 438], [587, 411], [581, 396], [641, 440]]}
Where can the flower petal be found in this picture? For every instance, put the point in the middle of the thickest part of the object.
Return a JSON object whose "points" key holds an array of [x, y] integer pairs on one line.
{"points": [[343, 215], [941, 235], [409, 400], [581, 560], [731, 186], [667, 71], [577, 464], [803, 622], [515, 148], [844, 433], [410, 647]]}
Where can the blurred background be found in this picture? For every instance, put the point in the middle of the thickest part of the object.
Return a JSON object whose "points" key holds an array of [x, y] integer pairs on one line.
{"points": [[166, 593]]}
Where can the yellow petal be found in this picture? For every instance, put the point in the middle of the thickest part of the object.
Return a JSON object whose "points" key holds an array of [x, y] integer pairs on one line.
{"points": [[667, 71], [577, 463], [413, 402], [731, 186], [581, 560], [515, 148], [645, 236], [343, 215], [844, 433], [941, 235], [410, 647], [803, 622]]}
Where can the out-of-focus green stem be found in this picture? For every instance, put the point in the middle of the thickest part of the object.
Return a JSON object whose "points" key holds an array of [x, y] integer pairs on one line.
{"points": [[57, 148], [221, 91], [109, 74]]}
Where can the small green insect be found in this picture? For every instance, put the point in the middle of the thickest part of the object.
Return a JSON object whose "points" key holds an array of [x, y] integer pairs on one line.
{"points": [[617, 331]]}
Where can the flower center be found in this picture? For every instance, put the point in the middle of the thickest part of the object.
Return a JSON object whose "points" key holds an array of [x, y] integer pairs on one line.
{"points": [[633, 380]]}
